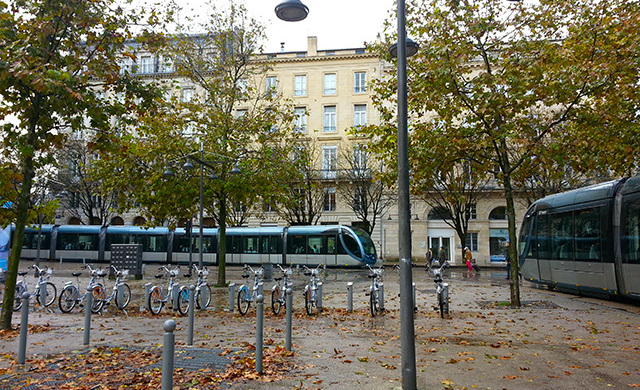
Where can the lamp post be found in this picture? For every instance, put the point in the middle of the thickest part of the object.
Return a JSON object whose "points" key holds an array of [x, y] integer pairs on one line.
{"points": [[294, 10]]}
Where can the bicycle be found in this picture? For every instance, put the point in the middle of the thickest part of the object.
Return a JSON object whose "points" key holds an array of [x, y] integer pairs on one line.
{"points": [[203, 290], [70, 295], [157, 298], [43, 279], [311, 289], [121, 300], [244, 296], [375, 300], [278, 291], [442, 292]]}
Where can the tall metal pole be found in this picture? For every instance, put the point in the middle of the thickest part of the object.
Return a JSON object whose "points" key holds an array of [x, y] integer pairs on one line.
{"points": [[407, 330], [200, 260]]}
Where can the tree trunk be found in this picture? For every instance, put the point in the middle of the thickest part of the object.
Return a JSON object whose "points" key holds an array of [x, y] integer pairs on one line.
{"points": [[222, 244], [514, 284], [16, 246]]}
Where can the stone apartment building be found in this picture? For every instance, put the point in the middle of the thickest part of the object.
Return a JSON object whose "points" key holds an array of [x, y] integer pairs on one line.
{"points": [[330, 92]]}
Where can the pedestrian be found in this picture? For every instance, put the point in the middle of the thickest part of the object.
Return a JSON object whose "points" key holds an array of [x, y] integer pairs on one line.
{"points": [[429, 257], [442, 257], [468, 256], [507, 258]]}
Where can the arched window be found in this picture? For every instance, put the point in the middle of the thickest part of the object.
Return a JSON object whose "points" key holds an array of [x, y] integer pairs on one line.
{"points": [[499, 213], [74, 221], [208, 222], [439, 213], [139, 221], [116, 221]]}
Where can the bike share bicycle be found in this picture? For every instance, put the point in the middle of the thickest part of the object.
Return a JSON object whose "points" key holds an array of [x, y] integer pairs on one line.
{"points": [[45, 292], [121, 293], [244, 296], [178, 296], [311, 296], [203, 290], [376, 304], [278, 291], [70, 295], [442, 290]]}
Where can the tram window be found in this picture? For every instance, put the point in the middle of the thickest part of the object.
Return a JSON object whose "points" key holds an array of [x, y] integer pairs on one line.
{"points": [[587, 235], [351, 244], [317, 245], [181, 244], [157, 244], [208, 244], [631, 234], [562, 236], [331, 245], [526, 232], [542, 236], [250, 245], [30, 240], [297, 244], [234, 244], [73, 241], [270, 244]]}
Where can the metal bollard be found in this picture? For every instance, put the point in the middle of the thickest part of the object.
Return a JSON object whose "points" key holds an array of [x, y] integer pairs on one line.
{"points": [[175, 296], [87, 314], [259, 331], [203, 297], [42, 289], [24, 323], [381, 296], [415, 306], [319, 298], [287, 344], [192, 301], [261, 288], [120, 295], [350, 297], [232, 295], [147, 292], [168, 347]]}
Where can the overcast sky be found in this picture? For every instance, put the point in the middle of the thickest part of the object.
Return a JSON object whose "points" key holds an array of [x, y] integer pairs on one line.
{"points": [[337, 23]]}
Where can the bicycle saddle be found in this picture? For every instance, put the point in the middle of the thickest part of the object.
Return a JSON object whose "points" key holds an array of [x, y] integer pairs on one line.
{"points": [[159, 276], [276, 279], [371, 275], [76, 274], [22, 273]]}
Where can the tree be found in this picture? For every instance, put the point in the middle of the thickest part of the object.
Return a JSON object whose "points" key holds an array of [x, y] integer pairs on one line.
{"points": [[362, 187], [54, 56], [512, 81]]}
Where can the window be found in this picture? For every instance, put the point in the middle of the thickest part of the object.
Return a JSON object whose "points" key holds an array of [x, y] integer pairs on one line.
{"points": [[499, 213], [166, 65], [472, 241], [359, 160], [146, 64], [300, 88], [329, 119], [330, 84], [587, 235], [631, 232], [360, 82], [562, 235], [187, 94], [300, 122], [330, 199], [125, 65], [359, 115], [240, 113], [271, 87], [439, 213], [472, 212], [329, 162]]}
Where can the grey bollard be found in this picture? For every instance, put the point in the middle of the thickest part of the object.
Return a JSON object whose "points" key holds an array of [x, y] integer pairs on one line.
{"points": [[381, 296], [120, 295], [168, 347], [42, 289], [415, 307], [192, 301], [319, 296], [175, 296], [203, 297], [259, 332], [261, 288], [232, 295], [287, 343], [24, 323], [87, 315], [350, 297], [147, 292]]}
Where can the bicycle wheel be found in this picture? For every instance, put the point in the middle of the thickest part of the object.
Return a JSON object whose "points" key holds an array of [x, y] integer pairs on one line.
{"points": [[308, 302], [154, 302], [276, 302], [99, 295], [126, 297], [183, 300], [67, 299], [206, 290], [17, 298], [243, 300], [373, 302], [52, 292]]}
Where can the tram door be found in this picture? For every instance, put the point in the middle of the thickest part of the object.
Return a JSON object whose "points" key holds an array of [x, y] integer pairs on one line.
{"points": [[444, 242]]}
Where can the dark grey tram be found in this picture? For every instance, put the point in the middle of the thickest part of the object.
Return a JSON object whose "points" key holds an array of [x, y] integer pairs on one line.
{"points": [[586, 240]]}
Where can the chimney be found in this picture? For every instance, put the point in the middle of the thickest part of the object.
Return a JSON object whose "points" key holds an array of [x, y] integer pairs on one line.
{"points": [[312, 49]]}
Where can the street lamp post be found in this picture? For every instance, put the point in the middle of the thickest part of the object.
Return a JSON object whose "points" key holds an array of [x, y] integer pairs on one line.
{"points": [[294, 10]]}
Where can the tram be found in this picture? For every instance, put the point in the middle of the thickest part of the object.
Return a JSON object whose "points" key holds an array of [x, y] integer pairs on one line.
{"points": [[332, 245], [586, 240]]}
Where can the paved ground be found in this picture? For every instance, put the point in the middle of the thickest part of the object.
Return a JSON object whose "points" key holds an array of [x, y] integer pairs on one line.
{"points": [[555, 341]]}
